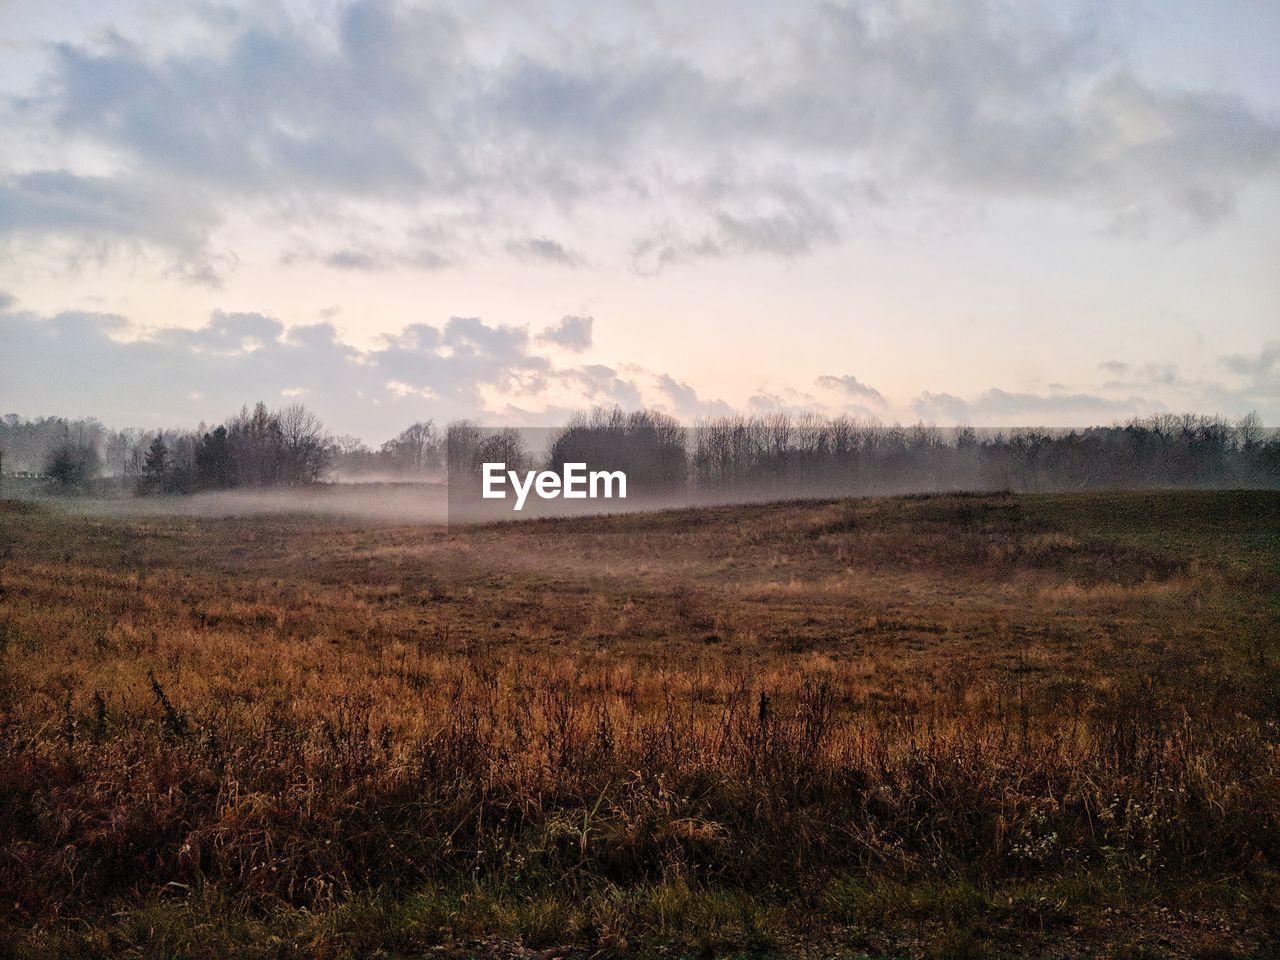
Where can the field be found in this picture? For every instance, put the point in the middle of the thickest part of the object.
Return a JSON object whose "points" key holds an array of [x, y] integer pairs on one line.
{"points": [[945, 726]]}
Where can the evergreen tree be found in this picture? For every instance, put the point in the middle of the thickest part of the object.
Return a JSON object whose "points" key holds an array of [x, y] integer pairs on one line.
{"points": [[155, 466], [215, 468]]}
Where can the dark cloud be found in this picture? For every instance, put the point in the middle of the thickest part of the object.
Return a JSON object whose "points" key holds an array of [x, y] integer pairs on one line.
{"points": [[571, 333]]}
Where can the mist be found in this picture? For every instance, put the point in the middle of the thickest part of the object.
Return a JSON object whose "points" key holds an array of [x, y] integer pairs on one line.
{"points": [[265, 462]]}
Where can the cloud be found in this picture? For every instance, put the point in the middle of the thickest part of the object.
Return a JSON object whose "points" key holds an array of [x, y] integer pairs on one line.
{"points": [[851, 385], [1001, 407], [1259, 366], [571, 333], [782, 399], [544, 250], [685, 401], [1195, 150], [652, 254], [471, 337], [383, 111], [378, 260], [226, 334], [366, 249], [1261, 388], [785, 233], [1148, 376], [277, 106], [1252, 384], [104, 214], [599, 383], [76, 363]]}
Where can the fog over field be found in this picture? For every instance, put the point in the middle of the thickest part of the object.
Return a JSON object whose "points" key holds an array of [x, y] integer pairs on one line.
{"points": [[284, 461], [376, 502]]}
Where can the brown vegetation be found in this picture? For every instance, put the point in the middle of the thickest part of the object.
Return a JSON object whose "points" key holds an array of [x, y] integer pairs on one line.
{"points": [[950, 725]]}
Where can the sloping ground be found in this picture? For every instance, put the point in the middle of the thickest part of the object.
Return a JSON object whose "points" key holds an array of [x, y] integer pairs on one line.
{"points": [[944, 726]]}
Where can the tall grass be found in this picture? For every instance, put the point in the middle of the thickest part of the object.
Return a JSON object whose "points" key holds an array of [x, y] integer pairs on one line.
{"points": [[453, 756]]}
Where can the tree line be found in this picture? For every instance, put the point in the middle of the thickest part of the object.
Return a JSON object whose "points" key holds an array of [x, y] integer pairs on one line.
{"points": [[785, 455], [257, 447], [776, 454]]}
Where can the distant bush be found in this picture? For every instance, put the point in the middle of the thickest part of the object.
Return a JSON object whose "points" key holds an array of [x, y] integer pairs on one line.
{"points": [[650, 447], [258, 448], [71, 467]]}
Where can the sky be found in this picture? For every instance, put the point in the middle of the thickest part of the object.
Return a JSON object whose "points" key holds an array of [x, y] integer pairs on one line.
{"points": [[993, 213]]}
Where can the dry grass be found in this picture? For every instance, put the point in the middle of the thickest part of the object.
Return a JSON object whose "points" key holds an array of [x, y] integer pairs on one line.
{"points": [[952, 726]]}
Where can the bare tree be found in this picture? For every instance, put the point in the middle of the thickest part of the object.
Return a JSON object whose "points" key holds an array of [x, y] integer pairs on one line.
{"points": [[305, 446], [418, 448], [462, 440]]}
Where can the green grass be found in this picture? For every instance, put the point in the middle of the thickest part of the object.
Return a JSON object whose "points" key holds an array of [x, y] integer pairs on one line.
{"points": [[1076, 914]]}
